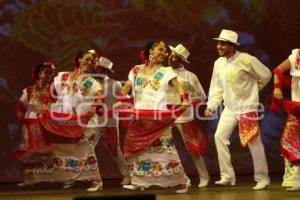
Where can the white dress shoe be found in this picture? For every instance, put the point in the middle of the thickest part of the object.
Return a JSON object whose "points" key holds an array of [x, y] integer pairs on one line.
{"points": [[225, 182], [183, 189], [133, 187], [68, 184], [21, 184], [203, 182], [293, 189], [130, 187], [95, 186], [261, 186]]}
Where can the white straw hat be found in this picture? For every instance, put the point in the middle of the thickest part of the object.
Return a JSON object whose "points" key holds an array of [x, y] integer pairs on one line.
{"points": [[105, 63], [181, 51], [228, 36]]}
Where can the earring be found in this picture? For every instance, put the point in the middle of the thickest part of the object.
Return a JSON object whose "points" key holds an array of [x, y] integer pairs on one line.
{"points": [[150, 57]]}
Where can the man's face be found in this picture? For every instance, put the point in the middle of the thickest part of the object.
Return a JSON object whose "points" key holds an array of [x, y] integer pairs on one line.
{"points": [[173, 60], [224, 48]]}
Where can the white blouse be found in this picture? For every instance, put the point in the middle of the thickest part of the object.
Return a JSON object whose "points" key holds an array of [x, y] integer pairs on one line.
{"points": [[295, 73], [74, 96], [31, 105], [190, 85], [150, 90]]}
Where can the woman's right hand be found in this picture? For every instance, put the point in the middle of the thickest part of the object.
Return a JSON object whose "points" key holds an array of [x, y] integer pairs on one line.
{"points": [[277, 93]]}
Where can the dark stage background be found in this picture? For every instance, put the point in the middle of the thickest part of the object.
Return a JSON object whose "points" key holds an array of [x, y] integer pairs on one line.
{"points": [[33, 31]]}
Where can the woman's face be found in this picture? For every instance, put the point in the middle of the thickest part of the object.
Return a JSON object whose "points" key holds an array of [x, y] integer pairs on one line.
{"points": [[46, 74], [87, 62], [159, 53]]}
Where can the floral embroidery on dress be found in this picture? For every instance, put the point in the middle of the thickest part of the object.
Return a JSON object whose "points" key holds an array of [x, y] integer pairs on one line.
{"points": [[166, 144], [40, 95], [75, 164], [86, 86], [158, 76], [37, 168], [141, 81], [136, 70], [148, 168], [155, 83], [64, 79]]}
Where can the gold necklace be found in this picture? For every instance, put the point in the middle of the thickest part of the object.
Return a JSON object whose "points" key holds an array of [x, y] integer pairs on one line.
{"points": [[38, 92]]}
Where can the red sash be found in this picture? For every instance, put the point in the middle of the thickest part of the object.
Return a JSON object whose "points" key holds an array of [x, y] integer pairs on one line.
{"points": [[193, 137], [290, 140], [110, 140], [63, 128], [145, 129], [248, 128]]}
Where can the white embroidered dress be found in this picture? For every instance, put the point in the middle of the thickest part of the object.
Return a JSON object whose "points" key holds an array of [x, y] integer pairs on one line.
{"points": [[159, 163], [76, 161], [292, 172]]}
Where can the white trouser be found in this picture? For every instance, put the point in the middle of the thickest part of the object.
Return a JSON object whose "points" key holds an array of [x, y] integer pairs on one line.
{"points": [[198, 159], [227, 123]]}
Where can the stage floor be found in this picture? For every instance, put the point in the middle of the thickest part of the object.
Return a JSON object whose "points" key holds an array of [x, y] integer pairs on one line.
{"points": [[242, 191]]}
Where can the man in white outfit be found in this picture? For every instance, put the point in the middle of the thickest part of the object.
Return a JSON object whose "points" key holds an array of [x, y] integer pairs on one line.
{"points": [[109, 126], [186, 124], [237, 79]]}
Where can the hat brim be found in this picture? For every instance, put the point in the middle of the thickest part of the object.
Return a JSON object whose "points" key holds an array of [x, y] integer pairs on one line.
{"points": [[180, 56], [111, 70], [225, 40]]}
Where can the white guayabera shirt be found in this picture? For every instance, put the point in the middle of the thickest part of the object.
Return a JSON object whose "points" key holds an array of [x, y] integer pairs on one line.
{"points": [[190, 85], [237, 81]]}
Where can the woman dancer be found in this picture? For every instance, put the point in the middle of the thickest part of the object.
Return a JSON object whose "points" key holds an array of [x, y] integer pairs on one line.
{"points": [[149, 146], [77, 93], [34, 148], [290, 141]]}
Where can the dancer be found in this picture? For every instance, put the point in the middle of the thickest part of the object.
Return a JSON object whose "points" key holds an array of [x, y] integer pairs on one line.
{"points": [[149, 145], [78, 93], [34, 149], [290, 141], [109, 126], [237, 78], [186, 124]]}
